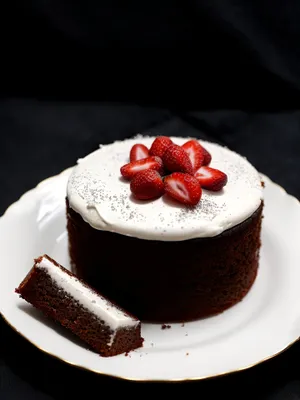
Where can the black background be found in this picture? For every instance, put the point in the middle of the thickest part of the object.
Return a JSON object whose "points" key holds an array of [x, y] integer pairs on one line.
{"points": [[227, 71]]}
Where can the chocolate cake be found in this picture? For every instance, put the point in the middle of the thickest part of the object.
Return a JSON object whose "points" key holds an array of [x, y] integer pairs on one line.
{"points": [[162, 260], [59, 294]]}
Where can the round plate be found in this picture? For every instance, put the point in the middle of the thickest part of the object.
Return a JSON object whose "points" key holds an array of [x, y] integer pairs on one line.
{"points": [[265, 323]]}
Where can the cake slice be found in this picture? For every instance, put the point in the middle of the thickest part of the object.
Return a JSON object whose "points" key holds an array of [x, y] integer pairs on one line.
{"points": [[59, 294]]}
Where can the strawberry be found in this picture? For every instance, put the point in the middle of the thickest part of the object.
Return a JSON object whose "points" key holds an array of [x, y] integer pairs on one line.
{"points": [[176, 159], [195, 153], [129, 170], [138, 152], [160, 145], [147, 185], [207, 156], [211, 178], [183, 187]]}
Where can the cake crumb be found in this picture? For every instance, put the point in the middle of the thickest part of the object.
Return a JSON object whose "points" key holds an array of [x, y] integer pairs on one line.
{"points": [[187, 354], [164, 326]]}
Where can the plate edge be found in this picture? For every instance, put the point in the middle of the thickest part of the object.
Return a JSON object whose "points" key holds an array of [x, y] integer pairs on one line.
{"points": [[136, 379]]}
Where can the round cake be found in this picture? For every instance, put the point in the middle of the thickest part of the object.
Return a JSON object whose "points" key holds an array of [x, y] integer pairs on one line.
{"points": [[162, 260]]}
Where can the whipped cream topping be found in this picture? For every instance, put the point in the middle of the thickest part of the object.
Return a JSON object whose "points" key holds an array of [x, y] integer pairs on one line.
{"points": [[97, 191], [96, 304]]}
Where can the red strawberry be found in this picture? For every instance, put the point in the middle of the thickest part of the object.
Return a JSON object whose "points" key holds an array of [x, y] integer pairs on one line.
{"points": [[183, 188], [176, 159], [147, 185], [207, 156], [129, 170], [195, 153], [138, 152], [160, 145], [211, 178]]}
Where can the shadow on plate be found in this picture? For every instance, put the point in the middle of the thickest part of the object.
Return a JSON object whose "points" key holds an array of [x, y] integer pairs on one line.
{"points": [[38, 315]]}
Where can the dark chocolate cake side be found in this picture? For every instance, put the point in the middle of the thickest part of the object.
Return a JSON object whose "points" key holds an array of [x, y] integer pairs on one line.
{"points": [[167, 281]]}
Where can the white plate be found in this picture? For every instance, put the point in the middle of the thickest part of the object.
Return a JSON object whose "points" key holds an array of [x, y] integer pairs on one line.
{"points": [[265, 323]]}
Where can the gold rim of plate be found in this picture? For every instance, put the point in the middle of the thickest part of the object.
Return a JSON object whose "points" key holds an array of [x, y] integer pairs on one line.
{"points": [[198, 378]]}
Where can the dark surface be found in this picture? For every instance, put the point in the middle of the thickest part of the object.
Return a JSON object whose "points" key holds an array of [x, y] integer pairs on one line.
{"points": [[42, 138], [225, 55], [193, 54]]}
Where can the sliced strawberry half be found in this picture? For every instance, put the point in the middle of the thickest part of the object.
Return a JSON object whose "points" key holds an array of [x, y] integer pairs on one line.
{"points": [[129, 170], [211, 178], [176, 159], [195, 153], [184, 188], [160, 145], [207, 156], [138, 152], [147, 185]]}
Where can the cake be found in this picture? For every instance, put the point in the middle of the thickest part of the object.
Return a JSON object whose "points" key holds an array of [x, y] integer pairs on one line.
{"points": [[160, 259], [60, 295]]}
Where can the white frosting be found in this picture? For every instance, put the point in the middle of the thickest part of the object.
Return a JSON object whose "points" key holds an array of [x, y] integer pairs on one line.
{"points": [[102, 197], [96, 304]]}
